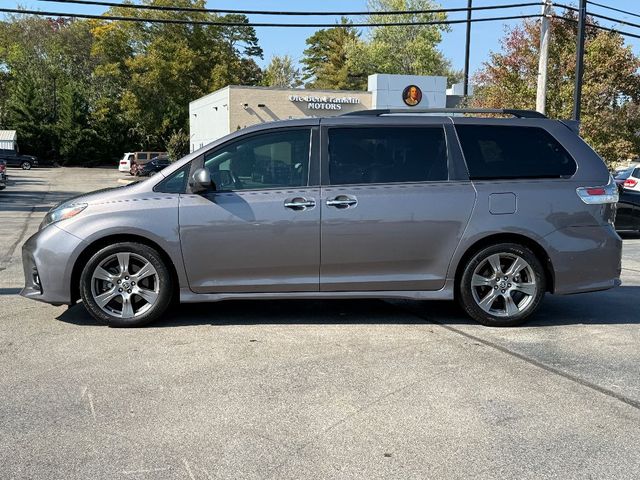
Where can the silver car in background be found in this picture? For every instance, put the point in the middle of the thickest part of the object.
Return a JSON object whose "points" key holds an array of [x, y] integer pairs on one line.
{"points": [[493, 212]]}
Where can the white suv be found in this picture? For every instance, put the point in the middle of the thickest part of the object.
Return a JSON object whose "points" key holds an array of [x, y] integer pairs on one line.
{"points": [[125, 163], [632, 182]]}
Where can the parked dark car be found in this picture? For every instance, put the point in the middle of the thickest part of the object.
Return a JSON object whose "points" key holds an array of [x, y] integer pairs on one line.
{"points": [[152, 167], [3, 175], [628, 214], [15, 159]]}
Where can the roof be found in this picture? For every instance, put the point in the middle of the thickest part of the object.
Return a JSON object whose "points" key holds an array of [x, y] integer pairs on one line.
{"points": [[447, 111], [9, 135]]}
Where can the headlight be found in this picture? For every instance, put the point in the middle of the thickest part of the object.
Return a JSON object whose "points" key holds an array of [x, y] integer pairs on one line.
{"points": [[62, 213]]}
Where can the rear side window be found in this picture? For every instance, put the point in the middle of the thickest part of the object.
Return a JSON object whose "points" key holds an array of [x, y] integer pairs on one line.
{"points": [[387, 155], [636, 173], [513, 152]]}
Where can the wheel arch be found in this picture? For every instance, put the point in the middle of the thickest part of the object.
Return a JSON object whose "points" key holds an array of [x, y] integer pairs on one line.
{"points": [[100, 243], [497, 238]]}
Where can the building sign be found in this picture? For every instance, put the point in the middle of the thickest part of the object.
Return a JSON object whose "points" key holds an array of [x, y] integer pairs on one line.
{"points": [[323, 103], [412, 95]]}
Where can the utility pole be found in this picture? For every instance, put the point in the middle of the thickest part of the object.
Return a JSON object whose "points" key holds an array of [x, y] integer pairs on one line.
{"points": [[466, 50], [541, 94], [577, 92]]}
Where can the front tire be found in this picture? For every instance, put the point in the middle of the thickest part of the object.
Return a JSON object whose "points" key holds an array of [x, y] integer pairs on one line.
{"points": [[126, 285], [26, 165], [502, 285]]}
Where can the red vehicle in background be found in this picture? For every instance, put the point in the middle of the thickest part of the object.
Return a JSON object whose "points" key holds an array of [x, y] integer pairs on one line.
{"points": [[3, 174]]}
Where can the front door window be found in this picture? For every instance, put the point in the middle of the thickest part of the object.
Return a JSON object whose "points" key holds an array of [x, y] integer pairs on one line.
{"points": [[266, 161]]}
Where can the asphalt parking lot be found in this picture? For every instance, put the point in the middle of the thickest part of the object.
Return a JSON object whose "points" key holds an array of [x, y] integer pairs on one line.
{"points": [[310, 389]]}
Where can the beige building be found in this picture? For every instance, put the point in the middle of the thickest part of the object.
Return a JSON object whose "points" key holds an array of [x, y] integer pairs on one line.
{"points": [[235, 107]]}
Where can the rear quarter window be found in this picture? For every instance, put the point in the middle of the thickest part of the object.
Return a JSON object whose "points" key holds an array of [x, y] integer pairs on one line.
{"points": [[494, 152]]}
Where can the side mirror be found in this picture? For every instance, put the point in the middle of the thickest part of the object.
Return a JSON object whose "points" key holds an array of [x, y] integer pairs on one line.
{"points": [[201, 181]]}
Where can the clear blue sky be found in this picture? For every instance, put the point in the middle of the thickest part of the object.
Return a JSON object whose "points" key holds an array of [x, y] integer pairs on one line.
{"points": [[485, 36]]}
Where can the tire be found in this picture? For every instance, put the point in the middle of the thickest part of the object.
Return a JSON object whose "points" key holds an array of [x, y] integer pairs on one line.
{"points": [[26, 165], [136, 300], [495, 295]]}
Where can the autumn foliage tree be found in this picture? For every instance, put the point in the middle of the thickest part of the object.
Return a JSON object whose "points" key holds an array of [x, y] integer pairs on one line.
{"points": [[611, 88]]}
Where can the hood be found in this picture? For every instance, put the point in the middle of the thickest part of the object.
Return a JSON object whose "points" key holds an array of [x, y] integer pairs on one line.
{"points": [[97, 196]]}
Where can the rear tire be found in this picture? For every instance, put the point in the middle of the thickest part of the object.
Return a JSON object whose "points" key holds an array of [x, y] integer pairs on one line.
{"points": [[126, 285], [502, 285]]}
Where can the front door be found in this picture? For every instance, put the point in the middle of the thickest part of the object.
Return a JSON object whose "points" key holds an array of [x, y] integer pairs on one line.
{"points": [[259, 231], [391, 216]]}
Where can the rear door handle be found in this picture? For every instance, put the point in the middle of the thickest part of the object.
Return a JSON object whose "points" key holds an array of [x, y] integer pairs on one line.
{"points": [[342, 201], [299, 203]]}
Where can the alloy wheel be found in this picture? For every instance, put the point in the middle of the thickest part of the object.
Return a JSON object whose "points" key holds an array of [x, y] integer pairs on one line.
{"points": [[504, 285], [125, 285]]}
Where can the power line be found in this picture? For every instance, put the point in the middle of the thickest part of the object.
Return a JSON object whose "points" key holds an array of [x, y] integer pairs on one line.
{"points": [[599, 27], [613, 8], [271, 12], [566, 7], [604, 17], [613, 30], [252, 24]]}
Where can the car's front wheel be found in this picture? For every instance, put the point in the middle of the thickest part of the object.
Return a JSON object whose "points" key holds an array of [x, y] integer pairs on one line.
{"points": [[502, 285], [125, 285], [26, 165]]}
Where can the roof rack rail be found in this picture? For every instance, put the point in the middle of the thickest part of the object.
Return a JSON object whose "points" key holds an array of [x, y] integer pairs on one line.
{"points": [[398, 111]]}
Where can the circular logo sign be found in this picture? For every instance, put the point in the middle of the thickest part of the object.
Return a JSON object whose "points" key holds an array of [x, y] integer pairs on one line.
{"points": [[412, 95]]}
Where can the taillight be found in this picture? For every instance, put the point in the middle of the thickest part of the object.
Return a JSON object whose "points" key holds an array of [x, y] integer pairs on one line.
{"points": [[123, 162], [2, 167], [599, 195], [630, 183]]}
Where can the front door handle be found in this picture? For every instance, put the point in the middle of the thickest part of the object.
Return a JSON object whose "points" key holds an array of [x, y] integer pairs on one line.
{"points": [[342, 201], [299, 203]]}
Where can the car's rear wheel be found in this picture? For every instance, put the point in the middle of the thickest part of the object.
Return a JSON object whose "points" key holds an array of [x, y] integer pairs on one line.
{"points": [[502, 285], [126, 285], [26, 165]]}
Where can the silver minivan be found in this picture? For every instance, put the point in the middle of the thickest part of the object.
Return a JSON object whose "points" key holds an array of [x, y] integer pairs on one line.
{"points": [[493, 212]]}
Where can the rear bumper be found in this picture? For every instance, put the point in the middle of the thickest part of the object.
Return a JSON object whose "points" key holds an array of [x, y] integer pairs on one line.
{"points": [[585, 259], [47, 260]]}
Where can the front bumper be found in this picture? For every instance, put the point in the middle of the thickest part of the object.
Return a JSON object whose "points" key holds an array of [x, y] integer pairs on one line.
{"points": [[47, 260]]}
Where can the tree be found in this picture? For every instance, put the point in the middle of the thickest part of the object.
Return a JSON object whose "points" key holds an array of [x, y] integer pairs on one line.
{"points": [[281, 72], [79, 142], [325, 59], [39, 58], [160, 68], [408, 49], [178, 145], [611, 89]]}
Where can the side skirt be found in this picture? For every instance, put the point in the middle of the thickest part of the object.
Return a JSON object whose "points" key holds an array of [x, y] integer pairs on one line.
{"points": [[446, 293]]}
